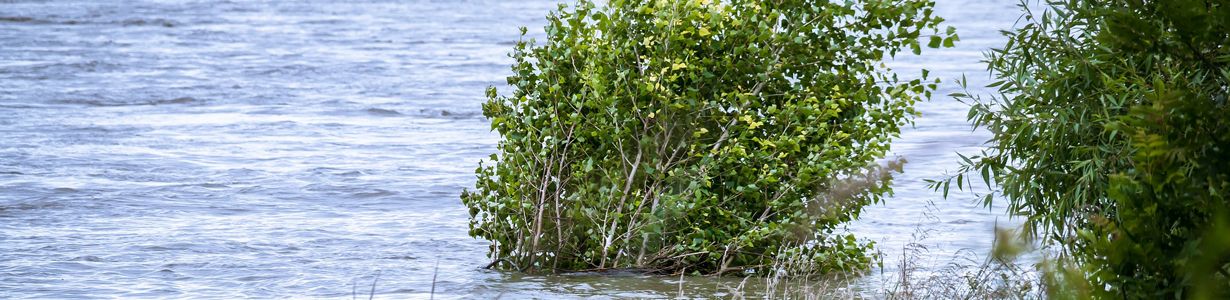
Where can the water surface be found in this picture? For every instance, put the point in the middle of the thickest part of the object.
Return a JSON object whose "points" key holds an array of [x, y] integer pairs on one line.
{"points": [[259, 149]]}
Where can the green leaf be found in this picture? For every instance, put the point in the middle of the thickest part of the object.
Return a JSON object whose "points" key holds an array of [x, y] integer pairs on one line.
{"points": [[935, 42]]}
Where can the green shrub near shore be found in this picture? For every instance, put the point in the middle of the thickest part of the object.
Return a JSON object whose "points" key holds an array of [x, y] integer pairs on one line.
{"points": [[1112, 136], [701, 136]]}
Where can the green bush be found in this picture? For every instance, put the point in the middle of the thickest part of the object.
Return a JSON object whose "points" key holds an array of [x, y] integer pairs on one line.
{"points": [[1112, 135], [706, 136]]}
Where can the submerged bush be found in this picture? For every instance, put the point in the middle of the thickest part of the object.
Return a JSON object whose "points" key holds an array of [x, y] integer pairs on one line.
{"points": [[706, 136], [1112, 135]]}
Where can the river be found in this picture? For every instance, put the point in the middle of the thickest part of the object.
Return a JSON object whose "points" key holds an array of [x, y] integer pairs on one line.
{"points": [[316, 149]]}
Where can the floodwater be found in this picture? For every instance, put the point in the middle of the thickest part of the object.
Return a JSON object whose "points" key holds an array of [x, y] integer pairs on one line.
{"points": [[316, 149]]}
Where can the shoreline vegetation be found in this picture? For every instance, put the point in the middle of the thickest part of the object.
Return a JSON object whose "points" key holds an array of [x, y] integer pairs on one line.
{"points": [[736, 138], [699, 137], [1111, 137]]}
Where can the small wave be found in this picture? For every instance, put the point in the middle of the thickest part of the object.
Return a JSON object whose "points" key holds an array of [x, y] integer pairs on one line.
{"points": [[19, 106], [401, 257], [92, 66], [67, 266], [89, 258], [150, 22], [447, 114], [65, 68], [127, 22], [383, 112], [108, 103], [29, 20], [18, 19], [375, 193], [180, 100], [31, 206], [324, 21], [294, 69], [257, 278], [422, 112]]}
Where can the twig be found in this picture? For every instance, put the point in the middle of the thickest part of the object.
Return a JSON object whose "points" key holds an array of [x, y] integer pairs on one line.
{"points": [[681, 273], [497, 262], [433, 279], [372, 295]]}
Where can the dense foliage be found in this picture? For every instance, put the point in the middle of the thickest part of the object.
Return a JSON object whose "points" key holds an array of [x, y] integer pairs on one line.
{"points": [[706, 136], [1112, 135]]}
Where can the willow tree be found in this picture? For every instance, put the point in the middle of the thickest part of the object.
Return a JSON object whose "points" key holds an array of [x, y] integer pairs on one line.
{"points": [[1112, 136], [707, 136]]}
